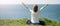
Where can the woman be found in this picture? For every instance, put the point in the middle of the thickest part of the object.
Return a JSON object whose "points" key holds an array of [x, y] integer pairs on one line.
{"points": [[35, 12]]}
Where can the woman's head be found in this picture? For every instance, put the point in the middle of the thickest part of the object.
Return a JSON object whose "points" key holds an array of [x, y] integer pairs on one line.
{"points": [[35, 8]]}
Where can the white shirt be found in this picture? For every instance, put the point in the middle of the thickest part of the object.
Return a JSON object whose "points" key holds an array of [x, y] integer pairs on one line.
{"points": [[34, 16]]}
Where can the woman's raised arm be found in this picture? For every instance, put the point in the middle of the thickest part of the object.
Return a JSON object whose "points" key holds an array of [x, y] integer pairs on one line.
{"points": [[43, 7], [26, 7]]}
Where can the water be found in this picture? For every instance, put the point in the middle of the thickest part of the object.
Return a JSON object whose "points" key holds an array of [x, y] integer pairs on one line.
{"points": [[19, 11]]}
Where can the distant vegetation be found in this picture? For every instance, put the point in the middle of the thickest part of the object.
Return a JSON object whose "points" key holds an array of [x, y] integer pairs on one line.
{"points": [[22, 22]]}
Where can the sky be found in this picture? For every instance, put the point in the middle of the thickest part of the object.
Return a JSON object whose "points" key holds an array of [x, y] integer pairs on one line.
{"points": [[29, 1]]}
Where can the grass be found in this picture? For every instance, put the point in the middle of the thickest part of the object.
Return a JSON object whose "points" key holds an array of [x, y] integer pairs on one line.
{"points": [[22, 22]]}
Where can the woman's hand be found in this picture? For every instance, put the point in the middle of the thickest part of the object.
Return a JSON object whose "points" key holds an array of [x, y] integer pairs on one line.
{"points": [[46, 3], [26, 6]]}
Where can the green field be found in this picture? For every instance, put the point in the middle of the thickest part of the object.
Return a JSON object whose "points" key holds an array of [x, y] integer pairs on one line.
{"points": [[22, 22]]}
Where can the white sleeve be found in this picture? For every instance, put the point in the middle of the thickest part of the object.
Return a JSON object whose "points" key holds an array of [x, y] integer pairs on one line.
{"points": [[30, 10], [26, 6], [43, 7]]}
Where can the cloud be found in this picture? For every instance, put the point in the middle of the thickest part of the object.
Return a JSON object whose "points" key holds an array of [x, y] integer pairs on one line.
{"points": [[8, 1], [29, 1]]}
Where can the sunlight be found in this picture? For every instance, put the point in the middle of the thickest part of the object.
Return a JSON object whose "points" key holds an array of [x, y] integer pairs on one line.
{"points": [[29, 1]]}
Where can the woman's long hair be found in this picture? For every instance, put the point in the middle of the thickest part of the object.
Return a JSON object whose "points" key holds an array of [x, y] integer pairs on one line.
{"points": [[35, 8]]}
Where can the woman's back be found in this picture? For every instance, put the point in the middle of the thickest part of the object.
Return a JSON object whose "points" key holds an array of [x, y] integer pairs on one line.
{"points": [[34, 16]]}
